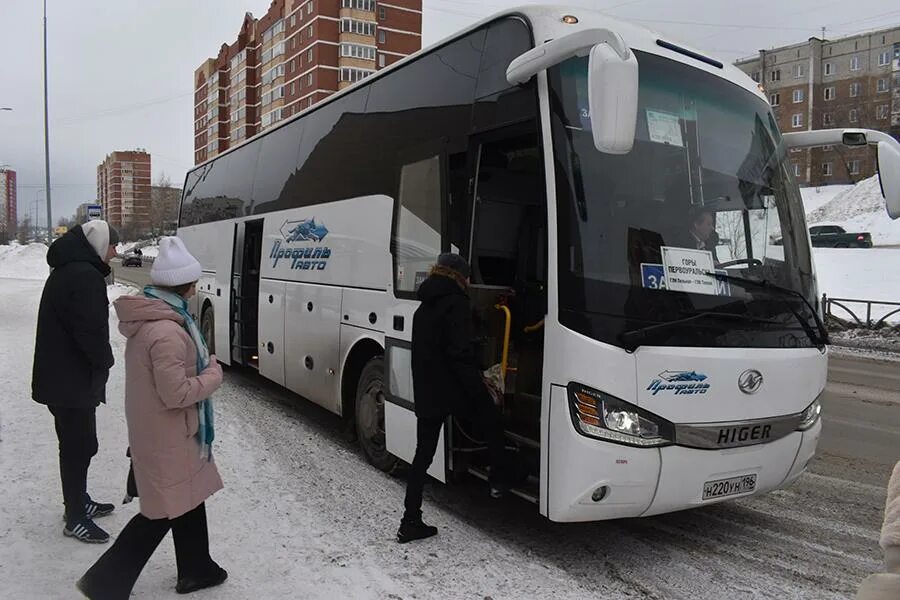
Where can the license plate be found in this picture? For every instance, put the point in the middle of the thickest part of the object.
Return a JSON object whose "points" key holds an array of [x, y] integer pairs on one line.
{"points": [[729, 487]]}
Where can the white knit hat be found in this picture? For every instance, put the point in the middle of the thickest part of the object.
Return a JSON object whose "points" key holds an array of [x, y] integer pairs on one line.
{"points": [[99, 235], [174, 266]]}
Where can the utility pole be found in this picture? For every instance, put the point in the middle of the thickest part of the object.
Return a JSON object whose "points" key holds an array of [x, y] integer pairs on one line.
{"points": [[47, 137]]}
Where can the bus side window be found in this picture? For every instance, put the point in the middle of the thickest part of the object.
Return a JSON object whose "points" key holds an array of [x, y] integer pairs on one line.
{"points": [[417, 240]]}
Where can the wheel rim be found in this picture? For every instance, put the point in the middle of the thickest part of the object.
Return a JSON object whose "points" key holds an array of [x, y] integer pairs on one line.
{"points": [[370, 415], [208, 332]]}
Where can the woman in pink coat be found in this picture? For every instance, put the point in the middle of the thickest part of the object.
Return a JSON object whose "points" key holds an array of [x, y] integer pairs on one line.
{"points": [[169, 378]]}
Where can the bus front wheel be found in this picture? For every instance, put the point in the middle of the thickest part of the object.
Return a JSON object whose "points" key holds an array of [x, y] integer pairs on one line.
{"points": [[370, 399]]}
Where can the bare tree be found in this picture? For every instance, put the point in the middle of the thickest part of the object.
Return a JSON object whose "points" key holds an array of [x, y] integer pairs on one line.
{"points": [[730, 227], [164, 206], [24, 231]]}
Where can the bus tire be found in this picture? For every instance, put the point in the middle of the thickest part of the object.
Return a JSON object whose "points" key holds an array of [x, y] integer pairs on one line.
{"points": [[208, 328], [369, 415]]}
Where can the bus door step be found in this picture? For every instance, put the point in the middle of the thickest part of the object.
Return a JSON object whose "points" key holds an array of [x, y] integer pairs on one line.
{"points": [[527, 490]]}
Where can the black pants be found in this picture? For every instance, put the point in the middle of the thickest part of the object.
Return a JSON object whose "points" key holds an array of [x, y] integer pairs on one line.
{"points": [[486, 416], [76, 429], [114, 574]]}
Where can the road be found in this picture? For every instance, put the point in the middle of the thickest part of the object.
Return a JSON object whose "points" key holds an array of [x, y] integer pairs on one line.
{"points": [[816, 539], [136, 276]]}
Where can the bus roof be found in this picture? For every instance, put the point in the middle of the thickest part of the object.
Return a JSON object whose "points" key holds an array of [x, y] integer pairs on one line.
{"points": [[547, 24]]}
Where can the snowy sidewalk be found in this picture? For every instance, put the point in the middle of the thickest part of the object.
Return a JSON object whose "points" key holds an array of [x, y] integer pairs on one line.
{"points": [[301, 515]]}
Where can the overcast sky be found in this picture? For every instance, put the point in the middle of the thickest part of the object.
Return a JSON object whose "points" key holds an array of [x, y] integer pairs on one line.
{"points": [[121, 71]]}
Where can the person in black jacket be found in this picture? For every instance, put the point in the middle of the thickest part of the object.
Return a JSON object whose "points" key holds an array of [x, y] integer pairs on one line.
{"points": [[72, 358], [447, 380]]}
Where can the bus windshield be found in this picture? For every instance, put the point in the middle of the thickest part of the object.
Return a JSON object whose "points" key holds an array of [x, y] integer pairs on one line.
{"points": [[648, 238]]}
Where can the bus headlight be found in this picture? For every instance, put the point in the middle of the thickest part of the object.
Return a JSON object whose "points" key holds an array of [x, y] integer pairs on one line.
{"points": [[606, 417], [810, 415]]}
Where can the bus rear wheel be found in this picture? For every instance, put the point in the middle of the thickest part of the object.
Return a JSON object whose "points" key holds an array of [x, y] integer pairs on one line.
{"points": [[369, 414], [208, 329]]}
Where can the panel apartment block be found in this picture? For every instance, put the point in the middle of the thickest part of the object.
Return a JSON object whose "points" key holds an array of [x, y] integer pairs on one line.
{"points": [[297, 54], [123, 190], [823, 84], [8, 205]]}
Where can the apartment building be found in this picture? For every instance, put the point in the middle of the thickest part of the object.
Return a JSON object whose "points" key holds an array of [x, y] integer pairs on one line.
{"points": [[822, 84], [298, 53], [123, 190], [8, 204]]}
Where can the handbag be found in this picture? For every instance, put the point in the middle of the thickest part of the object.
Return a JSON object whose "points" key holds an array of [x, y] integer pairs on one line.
{"points": [[130, 486]]}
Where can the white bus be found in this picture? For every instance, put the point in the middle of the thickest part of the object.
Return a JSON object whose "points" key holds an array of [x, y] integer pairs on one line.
{"points": [[642, 375]]}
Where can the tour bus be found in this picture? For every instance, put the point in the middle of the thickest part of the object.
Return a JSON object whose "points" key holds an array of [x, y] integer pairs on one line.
{"points": [[564, 154]]}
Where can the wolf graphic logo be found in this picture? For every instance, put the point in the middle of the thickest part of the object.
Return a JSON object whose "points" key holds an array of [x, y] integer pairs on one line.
{"points": [[682, 376], [306, 230]]}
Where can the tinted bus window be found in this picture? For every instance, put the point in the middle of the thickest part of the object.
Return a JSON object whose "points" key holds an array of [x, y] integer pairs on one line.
{"points": [[506, 40], [276, 165], [498, 102], [222, 189], [325, 167]]}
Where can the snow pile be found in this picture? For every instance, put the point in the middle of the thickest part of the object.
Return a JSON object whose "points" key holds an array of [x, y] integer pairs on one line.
{"points": [[147, 247], [817, 197], [125, 248], [114, 291], [24, 262], [858, 208], [861, 274]]}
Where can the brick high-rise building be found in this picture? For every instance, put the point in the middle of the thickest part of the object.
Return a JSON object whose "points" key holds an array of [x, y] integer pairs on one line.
{"points": [[823, 84], [123, 189], [298, 53], [8, 219]]}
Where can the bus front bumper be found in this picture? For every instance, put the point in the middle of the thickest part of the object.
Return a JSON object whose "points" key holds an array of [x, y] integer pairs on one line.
{"points": [[592, 480]]}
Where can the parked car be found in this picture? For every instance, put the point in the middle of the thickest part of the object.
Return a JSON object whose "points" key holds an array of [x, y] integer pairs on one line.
{"points": [[835, 236], [134, 260], [832, 236]]}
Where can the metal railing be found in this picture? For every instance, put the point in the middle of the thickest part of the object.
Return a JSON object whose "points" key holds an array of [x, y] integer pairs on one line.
{"points": [[870, 323]]}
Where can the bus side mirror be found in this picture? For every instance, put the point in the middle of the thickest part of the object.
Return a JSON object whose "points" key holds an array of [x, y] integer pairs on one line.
{"points": [[889, 176], [613, 98]]}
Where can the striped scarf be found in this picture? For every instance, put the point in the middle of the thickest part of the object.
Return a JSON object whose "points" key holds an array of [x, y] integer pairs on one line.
{"points": [[206, 432]]}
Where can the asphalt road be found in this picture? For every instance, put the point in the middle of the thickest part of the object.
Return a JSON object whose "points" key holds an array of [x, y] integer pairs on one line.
{"points": [[136, 276]]}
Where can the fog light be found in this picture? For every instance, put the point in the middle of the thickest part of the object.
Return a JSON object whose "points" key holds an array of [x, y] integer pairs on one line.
{"points": [[600, 493], [570, 19]]}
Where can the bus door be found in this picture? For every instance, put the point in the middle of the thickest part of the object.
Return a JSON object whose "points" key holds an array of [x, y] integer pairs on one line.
{"points": [[508, 250], [419, 223], [244, 315]]}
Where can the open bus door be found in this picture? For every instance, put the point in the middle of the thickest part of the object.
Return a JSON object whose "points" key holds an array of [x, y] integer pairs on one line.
{"points": [[244, 312], [417, 240]]}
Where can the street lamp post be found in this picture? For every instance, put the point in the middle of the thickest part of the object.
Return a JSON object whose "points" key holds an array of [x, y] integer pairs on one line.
{"points": [[47, 136]]}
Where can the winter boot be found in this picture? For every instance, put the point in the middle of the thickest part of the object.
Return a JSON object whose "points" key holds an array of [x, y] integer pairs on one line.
{"points": [[92, 509], [86, 531], [186, 585], [97, 509], [414, 529]]}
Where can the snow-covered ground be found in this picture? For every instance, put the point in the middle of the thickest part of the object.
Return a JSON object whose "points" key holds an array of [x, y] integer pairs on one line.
{"points": [[858, 208], [860, 274], [147, 248], [24, 262], [817, 197], [303, 516]]}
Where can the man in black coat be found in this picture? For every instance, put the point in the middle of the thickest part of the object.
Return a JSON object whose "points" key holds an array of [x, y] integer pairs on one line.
{"points": [[72, 358], [447, 380]]}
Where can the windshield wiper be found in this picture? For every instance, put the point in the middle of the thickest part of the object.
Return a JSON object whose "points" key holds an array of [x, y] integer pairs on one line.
{"points": [[633, 338], [819, 339]]}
